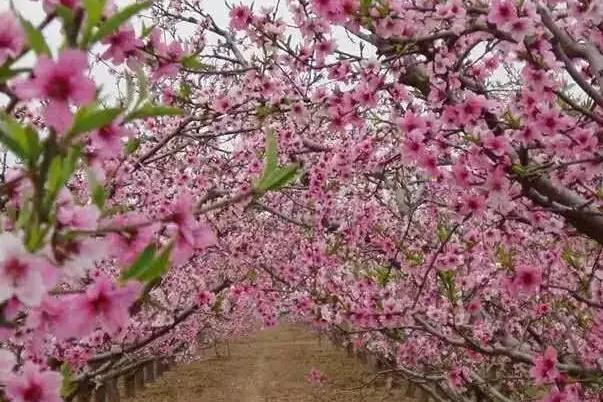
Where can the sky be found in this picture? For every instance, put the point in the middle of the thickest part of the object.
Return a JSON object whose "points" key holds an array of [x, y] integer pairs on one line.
{"points": [[33, 11]]}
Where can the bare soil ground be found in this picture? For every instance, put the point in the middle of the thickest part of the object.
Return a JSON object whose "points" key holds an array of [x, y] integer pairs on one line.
{"points": [[271, 366]]}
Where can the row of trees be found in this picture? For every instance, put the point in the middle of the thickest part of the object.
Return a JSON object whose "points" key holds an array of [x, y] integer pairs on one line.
{"points": [[421, 178]]}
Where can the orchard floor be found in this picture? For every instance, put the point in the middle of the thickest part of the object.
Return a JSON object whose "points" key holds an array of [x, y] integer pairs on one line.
{"points": [[271, 366]]}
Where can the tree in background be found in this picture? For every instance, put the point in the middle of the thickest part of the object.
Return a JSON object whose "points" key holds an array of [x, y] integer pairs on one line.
{"points": [[420, 178]]}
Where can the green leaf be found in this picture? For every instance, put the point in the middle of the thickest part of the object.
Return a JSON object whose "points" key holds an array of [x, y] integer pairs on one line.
{"points": [[88, 119], [148, 267], [67, 17], [59, 172], [158, 267], [150, 110], [55, 175], [448, 283], [68, 385], [442, 233], [192, 62], [365, 5], [6, 73], [23, 141], [274, 177], [132, 145], [94, 12], [270, 154], [146, 30], [279, 178], [35, 38], [113, 23], [99, 196], [141, 264]]}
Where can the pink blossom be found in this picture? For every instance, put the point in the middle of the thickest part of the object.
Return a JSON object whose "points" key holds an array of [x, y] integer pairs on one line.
{"points": [[411, 122], [51, 5], [502, 13], [7, 363], [123, 44], [472, 204], [52, 317], [316, 377], [79, 217], [527, 279], [188, 234], [108, 140], [222, 104], [169, 56], [456, 378], [21, 274], [12, 37], [34, 385], [104, 305], [61, 83], [205, 298], [240, 17], [128, 243], [545, 367]]}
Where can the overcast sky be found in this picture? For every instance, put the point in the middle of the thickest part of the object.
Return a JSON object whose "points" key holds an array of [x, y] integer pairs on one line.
{"points": [[32, 10]]}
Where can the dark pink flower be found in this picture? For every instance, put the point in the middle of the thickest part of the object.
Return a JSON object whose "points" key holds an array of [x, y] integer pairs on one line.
{"points": [[123, 44], [21, 274], [34, 385], [240, 17], [79, 217], [61, 83], [545, 367], [7, 363], [108, 140], [104, 305], [51, 317], [527, 279], [188, 234], [502, 12], [51, 5], [205, 298], [12, 37], [126, 245]]}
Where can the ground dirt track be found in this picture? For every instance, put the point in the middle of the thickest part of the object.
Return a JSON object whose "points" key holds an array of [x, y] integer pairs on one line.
{"points": [[271, 366]]}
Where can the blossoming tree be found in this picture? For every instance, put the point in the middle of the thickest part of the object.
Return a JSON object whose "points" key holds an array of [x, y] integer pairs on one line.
{"points": [[429, 192]]}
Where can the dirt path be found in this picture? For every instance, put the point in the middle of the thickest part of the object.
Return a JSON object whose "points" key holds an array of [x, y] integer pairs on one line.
{"points": [[271, 366]]}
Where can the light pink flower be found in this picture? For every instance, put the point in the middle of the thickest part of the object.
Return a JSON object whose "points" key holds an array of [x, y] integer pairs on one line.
{"points": [[222, 104], [51, 5], [108, 140], [123, 44], [126, 245], [527, 279], [316, 377], [205, 298], [502, 13], [240, 17], [104, 305], [169, 56], [7, 363], [21, 274], [545, 367], [61, 83], [79, 217], [12, 37], [53, 316], [34, 385], [188, 234]]}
